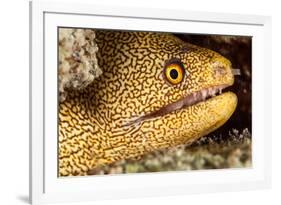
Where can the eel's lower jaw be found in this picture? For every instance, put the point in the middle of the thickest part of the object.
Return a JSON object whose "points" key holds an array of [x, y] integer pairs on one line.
{"points": [[189, 100]]}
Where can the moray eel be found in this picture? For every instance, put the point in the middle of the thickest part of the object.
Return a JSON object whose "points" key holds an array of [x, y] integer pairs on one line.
{"points": [[156, 92]]}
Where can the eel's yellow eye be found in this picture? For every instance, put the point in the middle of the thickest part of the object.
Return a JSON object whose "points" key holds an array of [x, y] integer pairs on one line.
{"points": [[174, 72]]}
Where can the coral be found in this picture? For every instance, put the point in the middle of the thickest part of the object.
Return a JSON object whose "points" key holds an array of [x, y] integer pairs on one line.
{"points": [[78, 65]]}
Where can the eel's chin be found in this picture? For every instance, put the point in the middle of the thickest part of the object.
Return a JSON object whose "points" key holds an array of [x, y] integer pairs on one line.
{"points": [[222, 107]]}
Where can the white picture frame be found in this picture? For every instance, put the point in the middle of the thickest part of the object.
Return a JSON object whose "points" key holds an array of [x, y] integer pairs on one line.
{"points": [[46, 187]]}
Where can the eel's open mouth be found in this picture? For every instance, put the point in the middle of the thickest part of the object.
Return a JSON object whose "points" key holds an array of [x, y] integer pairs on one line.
{"points": [[184, 102]]}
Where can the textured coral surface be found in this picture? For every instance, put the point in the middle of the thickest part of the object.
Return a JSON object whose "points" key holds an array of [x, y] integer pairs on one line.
{"points": [[78, 65]]}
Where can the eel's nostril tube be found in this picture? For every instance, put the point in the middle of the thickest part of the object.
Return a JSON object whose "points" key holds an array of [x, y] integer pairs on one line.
{"points": [[220, 69], [236, 71]]}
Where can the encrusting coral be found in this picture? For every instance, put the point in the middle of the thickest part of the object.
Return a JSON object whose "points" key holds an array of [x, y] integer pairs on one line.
{"points": [[78, 65]]}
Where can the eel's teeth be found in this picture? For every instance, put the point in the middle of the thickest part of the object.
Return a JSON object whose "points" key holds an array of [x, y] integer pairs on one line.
{"points": [[204, 94], [211, 92]]}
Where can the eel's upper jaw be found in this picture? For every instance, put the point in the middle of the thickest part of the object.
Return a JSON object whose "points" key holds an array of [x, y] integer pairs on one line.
{"points": [[189, 100], [200, 96]]}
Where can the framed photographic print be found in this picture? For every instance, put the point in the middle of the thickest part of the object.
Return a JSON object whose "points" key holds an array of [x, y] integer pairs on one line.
{"points": [[129, 102]]}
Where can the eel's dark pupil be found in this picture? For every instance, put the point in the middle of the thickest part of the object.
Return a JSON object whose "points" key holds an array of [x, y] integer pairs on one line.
{"points": [[174, 74]]}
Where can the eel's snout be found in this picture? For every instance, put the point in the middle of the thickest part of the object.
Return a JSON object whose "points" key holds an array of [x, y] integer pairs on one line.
{"points": [[222, 70]]}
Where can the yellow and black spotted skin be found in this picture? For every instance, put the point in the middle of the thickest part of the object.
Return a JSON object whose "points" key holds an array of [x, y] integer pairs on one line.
{"points": [[130, 109]]}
